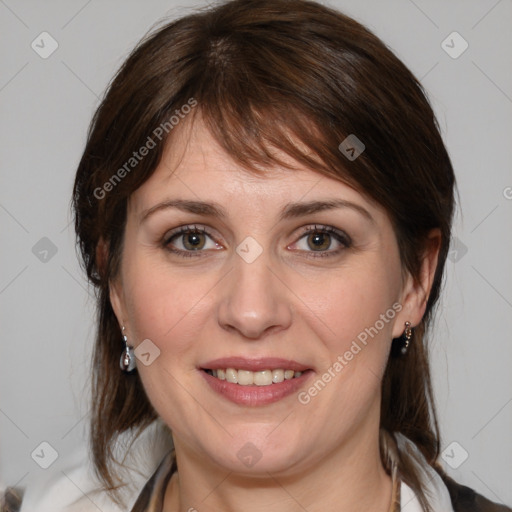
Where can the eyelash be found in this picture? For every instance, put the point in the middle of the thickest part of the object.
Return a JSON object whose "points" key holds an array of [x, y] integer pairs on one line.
{"points": [[340, 236]]}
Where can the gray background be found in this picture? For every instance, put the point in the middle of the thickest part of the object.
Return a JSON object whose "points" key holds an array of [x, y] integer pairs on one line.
{"points": [[47, 308]]}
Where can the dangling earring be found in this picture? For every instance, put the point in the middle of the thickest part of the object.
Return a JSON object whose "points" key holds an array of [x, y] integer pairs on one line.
{"points": [[406, 337], [127, 361]]}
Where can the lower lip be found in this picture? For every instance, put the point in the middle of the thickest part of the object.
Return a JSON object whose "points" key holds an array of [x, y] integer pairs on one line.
{"points": [[256, 395]]}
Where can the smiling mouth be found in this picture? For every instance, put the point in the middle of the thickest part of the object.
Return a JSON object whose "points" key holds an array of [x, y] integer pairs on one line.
{"points": [[249, 378]]}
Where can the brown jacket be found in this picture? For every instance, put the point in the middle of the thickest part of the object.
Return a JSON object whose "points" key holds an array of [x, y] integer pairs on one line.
{"points": [[465, 499]]}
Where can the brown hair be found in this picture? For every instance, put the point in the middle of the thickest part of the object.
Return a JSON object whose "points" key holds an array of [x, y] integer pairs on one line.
{"points": [[266, 74]]}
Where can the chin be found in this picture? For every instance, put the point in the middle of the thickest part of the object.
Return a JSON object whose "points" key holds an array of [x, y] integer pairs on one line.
{"points": [[257, 454]]}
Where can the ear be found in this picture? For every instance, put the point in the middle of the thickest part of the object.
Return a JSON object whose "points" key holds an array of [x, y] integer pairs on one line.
{"points": [[415, 292], [115, 289], [117, 300]]}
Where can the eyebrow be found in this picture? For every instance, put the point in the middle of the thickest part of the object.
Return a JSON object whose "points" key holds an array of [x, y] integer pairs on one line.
{"points": [[290, 211]]}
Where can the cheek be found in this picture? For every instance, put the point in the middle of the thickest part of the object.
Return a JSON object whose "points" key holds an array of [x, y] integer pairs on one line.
{"points": [[164, 305], [354, 312], [352, 301], [168, 308]]}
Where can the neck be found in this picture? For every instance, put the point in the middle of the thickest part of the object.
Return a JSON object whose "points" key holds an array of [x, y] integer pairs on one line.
{"points": [[351, 478]]}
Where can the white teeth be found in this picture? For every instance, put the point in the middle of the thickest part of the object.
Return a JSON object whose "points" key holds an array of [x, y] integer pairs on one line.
{"points": [[277, 376], [263, 378], [245, 378], [232, 375], [249, 378]]}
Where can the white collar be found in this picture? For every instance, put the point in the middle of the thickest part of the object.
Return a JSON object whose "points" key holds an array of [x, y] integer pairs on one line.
{"points": [[436, 491]]}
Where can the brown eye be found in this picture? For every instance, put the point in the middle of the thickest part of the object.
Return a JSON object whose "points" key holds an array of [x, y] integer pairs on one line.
{"points": [[325, 241], [193, 240], [190, 241], [319, 241]]}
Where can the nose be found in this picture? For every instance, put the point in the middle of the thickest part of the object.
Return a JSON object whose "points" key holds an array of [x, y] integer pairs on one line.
{"points": [[255, 300]]}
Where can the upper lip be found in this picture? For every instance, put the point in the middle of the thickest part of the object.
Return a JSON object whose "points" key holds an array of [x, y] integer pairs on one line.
{"points": [[264, 363]]}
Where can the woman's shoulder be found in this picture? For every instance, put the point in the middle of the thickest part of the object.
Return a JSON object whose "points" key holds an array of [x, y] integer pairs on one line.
{"points": [[74, 487], [69, 487], [444, 493]]}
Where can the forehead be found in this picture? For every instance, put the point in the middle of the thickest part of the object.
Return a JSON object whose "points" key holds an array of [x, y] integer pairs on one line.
{"points": [[195, 166]]}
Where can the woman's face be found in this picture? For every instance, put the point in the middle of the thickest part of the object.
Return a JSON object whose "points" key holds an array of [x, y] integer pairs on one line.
{"points": [[290, 271]]}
